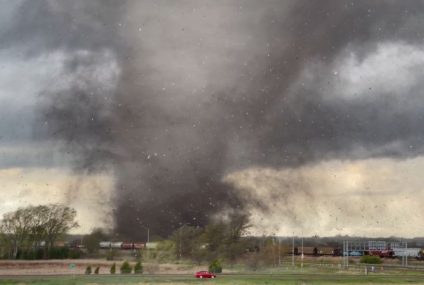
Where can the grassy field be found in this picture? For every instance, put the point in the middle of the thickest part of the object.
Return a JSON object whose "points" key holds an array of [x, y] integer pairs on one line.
{"points": [[309, 273], [300, 279]]}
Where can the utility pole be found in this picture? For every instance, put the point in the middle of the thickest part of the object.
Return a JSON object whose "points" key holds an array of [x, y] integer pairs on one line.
{"points": [[279, 251], [181, 237], [180, 240], [302, 242], [301, 266], [406, 254], [148, 235], [293, 251], [346, 257]]}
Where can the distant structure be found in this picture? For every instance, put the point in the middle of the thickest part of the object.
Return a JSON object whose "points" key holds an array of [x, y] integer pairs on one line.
{"points": [[378, 248]]}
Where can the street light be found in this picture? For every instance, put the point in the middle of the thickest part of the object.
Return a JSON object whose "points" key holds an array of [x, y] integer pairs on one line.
{"points": [[148, 235], [148, 229], [148, 232], [279, 251], [180, 236], [301, 266], [180, 242]]}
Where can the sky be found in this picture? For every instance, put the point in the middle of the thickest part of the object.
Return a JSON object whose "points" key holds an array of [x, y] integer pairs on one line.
{"points": [[306, 116]]}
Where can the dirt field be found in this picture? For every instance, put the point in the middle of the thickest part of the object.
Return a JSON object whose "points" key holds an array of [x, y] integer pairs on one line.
{"points": [[53, 267]]}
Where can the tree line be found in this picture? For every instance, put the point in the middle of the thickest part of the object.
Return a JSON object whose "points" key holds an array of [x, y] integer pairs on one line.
{"points": [[227, 240], [31, 232], [218, 240]]}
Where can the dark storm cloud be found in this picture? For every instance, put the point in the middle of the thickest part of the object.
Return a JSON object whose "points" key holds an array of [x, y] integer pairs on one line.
{"points": [[41, 25], [209, 87], [291, 129]]}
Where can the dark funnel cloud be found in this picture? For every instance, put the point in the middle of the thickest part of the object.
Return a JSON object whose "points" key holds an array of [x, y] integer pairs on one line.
{"points": [[197, 89]]}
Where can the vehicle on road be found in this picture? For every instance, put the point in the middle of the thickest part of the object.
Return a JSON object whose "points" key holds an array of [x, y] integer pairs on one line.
{"points": [[204, 274]]}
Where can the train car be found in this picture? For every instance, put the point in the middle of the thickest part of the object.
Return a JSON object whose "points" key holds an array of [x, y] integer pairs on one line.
{"points": [[308, 250], [410, 252], [325, 250], [151, 245], [384, 253], [387, 253], [337, 252], [127, 245], [139, 245], [121, 245], [105, 244], [116, 244]]}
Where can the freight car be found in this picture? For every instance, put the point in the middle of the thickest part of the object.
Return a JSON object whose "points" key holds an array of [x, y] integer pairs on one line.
{"points": [[410, 252], [132, 245], [316, 251], [109, 244], [122, 245], [385, 253]]}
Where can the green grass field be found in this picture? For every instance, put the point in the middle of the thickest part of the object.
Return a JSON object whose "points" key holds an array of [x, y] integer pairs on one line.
{"points": [[247, 279]]}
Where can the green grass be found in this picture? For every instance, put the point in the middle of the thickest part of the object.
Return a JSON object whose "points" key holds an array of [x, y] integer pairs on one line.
{"points": [[295, 279]]}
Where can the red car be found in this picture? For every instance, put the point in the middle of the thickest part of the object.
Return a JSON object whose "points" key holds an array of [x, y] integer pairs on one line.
{"points": [[204, 274]]}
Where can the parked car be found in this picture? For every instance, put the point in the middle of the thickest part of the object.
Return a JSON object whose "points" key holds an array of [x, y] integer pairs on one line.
{"points": [[204, 274]]}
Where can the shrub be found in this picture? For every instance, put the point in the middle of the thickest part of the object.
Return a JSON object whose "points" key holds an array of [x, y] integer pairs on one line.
{"points": [[96, 271], [74, 253], [126, 268], [58, 252], [52, 253], [88, 270], [370, 259], [215, 267], [113, 269], [138, 268]]}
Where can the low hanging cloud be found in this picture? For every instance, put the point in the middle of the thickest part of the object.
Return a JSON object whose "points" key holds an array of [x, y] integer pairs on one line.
{"points": [[86, 193], [374, 197]]}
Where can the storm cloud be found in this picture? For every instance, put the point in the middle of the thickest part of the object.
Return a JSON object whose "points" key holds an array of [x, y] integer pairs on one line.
{"points": [[171, 98]]}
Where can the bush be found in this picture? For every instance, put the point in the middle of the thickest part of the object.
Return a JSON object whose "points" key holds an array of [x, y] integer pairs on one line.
{"points": [[58, 253], [370, 259], [126, 268], [30, 254], [113, 269], [138, 268], [215, 267], [164, 252], [88, 270], [75, 253], [96, 271], [52, 253]]}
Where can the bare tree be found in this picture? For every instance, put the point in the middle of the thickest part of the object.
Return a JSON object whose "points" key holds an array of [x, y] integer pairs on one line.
{"points": [[16, 228], [27, 228], [92, 240], [57, 221]]}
